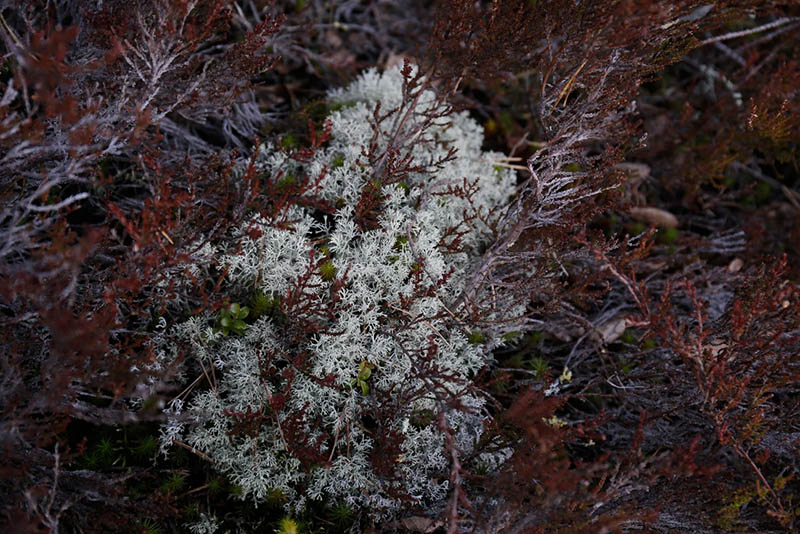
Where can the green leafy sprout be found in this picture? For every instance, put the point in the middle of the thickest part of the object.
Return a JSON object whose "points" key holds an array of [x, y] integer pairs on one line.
{"points": [[540, 366], [231, 319], [364, 372]]}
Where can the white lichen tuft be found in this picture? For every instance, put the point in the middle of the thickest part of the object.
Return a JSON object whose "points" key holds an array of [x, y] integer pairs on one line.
{"points": [[372, 352]]}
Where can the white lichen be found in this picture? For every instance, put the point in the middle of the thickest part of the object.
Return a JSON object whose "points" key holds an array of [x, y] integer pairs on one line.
{"points": [[370, 329]]}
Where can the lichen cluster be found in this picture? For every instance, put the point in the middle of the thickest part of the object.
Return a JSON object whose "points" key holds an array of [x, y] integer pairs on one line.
{"points": [[381, 376]]}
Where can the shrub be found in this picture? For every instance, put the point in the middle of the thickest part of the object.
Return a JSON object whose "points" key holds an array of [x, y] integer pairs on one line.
{"points": [[316, 397]]}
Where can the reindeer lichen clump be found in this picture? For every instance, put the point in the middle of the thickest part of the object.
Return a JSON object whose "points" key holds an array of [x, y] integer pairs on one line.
{"points": [[352, 378]]}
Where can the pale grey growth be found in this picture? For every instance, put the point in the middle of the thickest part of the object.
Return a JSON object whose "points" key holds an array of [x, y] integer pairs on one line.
{"points": [[370, 328]]}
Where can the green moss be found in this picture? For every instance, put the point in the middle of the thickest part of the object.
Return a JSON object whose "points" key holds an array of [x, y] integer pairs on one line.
{"points": [[628, 338], [636, 228], [289, 142], [613, 223], [287, 525], [328, 271], [102, 456], [286, 181], [263, 304], [216, 486], [515, 361], [191, 512], [338, 161], [146, 447], [275, 498], [571, 167], [626, 365], [339, 106], [510, 337], [421, 418], [341, 515], [149, 526], [174, 484], [534, 338], [729, 180], [506, 122], [667, 236], [539, 365], [317, 111], [728, 514], [762, 192], [476, 337]]}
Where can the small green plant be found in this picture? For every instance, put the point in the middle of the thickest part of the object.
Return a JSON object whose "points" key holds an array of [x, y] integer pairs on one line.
{"points": [[628, 338], [626, 365], [762, 192], [533, 339], [287, 525], [476, 337], [289, 141], [649, 344], [102, 455], [175, 483], [341, 514], [231, 319], [150, 526], [263, 304], [191, 512], [421, 418], [511, 337], [667, 236], [506, 122], [636, 228], [364, 372], [515, 361], [328, 271], [145, 447], [215, 486], [539, 366], [728, 514], [286, 182]]}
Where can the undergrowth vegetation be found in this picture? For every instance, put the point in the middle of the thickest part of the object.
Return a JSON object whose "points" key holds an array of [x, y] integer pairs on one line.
{"points": [[518, 266]]}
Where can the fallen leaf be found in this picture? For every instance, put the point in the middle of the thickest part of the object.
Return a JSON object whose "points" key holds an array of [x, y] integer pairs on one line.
{"points": [[417, 524], [655, 216], [613, 330], [735, 265]]}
